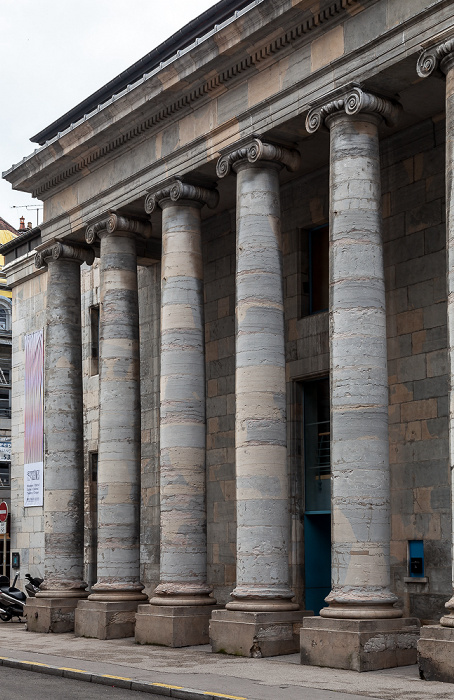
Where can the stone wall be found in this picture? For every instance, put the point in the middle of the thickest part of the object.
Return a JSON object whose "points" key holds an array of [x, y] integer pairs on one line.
{"points": [[149, 280], [89, 298], [219, 262], [414, 240]]}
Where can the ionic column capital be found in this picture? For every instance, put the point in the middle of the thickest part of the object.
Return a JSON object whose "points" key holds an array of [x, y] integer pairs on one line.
{"points": [[115, 224], [64, 251], [255, 150], [179, 191], [353, 100], [439, 56]]}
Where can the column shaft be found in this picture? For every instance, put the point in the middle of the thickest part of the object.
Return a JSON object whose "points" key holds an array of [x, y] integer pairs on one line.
{"points": [[260, 428], [182, 417], [119, 423], [63, 482], [359, 381]]}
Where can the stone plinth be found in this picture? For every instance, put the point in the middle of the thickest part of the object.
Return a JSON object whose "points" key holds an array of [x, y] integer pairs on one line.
{"points": [[105, 620], [359, 645], [436, 653], [256, 634], [173, 625], [50, 614]]}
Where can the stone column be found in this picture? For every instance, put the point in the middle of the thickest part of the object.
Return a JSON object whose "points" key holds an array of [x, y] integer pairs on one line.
{"points": [[53, 608], [110, 609], [359, 393], [436, 645], [181, 604], [260, 619]]}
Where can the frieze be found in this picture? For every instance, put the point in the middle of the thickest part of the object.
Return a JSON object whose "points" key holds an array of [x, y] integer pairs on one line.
{"points": [[309, 24]]}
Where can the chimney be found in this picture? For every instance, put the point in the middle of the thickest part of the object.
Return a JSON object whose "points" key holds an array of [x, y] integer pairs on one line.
{"points": [[22, 224], [29, 225]]}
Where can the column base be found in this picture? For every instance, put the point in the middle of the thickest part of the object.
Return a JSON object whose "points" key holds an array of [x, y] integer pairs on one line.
{"points": [[173, 625], [436, 653], [359, 645], [51, 614], [105, 620], [256, 634]]}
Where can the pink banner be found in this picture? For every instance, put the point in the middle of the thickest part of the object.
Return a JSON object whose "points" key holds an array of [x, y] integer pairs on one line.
{"points": [[33, 419]]}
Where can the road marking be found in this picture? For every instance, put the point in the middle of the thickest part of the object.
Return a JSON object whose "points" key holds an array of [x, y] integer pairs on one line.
{"points": [[118, 678], [122, 678]]}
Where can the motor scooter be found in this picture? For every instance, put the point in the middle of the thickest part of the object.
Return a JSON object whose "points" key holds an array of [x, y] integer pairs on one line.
{"points": [[32, 587], [12, 600]]}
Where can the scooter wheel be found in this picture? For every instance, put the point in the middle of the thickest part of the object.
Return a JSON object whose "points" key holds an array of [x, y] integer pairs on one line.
{"points": [[5, 617]]}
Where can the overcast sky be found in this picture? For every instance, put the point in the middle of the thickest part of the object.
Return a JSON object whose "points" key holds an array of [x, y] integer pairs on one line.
{"points": [[57, 52]]}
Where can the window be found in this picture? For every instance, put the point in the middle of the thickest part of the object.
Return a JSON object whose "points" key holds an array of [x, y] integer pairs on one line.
{"points": [[319, 269], [314, 270], [5, 474], [94, 339], [317, 462]]}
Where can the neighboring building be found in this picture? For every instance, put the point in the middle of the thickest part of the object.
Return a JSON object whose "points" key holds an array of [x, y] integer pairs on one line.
{"points": [[226, 218], [7, 233]]}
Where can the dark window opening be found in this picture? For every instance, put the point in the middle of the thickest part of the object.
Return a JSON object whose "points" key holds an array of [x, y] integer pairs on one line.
{"points": [[3, 319], [94, 335], [317, 463], [319, 269], [5, 474]]}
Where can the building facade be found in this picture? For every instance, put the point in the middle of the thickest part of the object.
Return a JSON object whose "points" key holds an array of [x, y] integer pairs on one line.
{"points": [[7, 233], [243, 280]]}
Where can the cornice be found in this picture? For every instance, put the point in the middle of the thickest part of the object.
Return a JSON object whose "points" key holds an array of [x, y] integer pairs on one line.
{"points": [[177, 191], [63, 251], [115, 224], [243, 65], [255, 150], [435, 57], [352, 100]]}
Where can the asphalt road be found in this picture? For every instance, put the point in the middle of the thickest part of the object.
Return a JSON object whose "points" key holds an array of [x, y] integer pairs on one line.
{"points": [[16, 684]]}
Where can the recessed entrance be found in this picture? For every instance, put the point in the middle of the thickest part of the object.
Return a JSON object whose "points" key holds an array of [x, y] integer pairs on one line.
{"points": [[317, 493]]}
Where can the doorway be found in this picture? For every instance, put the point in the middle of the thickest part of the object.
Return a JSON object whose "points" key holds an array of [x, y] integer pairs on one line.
{"points": [[317, 493]]}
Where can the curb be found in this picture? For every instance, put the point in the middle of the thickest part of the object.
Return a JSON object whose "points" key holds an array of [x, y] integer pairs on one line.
{"points": [[171, 691]]}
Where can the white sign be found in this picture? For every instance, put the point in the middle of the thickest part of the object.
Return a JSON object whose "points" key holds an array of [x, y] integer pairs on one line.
{"points": [[5, 450], [3, 528], [33, 484]]}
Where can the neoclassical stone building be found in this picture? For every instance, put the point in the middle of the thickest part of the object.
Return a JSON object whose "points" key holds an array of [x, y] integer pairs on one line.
{"points": [[244, 278]]}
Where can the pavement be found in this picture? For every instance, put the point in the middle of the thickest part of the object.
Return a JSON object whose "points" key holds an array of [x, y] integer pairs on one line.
{"points": [[195, 673]]}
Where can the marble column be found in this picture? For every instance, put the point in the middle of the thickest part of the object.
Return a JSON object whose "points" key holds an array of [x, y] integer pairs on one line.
{"points": [[111, 606], [436, 645], [53, 608], [262, 598], [359, 387], [181, 604]]}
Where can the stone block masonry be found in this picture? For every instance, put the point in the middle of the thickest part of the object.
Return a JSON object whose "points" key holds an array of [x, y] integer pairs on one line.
{"points": [[415, 263]]}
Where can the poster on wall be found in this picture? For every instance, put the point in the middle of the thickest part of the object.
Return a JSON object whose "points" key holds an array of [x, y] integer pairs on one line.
{"points": [[34, 420]]}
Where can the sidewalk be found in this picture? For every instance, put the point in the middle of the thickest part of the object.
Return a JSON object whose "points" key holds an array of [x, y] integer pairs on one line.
{"points": [[197, 674]]}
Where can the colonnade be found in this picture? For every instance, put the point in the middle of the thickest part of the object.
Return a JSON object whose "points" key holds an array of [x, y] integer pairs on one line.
{"points": [[262, 618]]}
